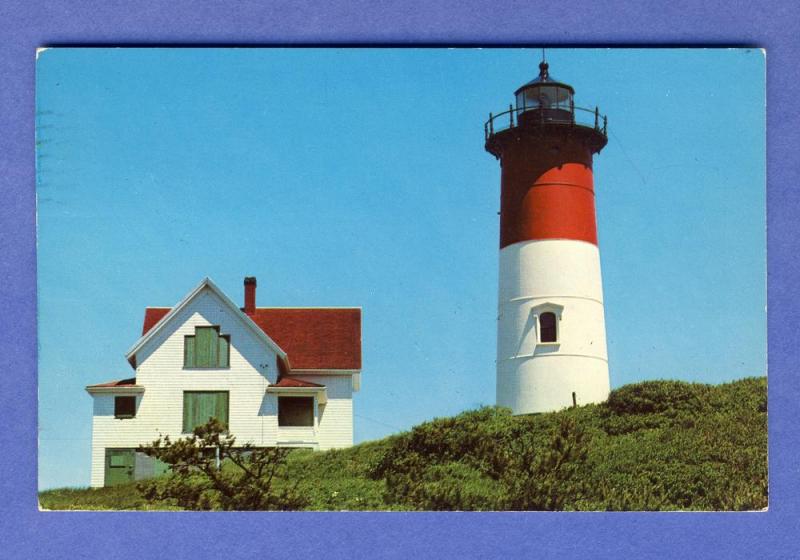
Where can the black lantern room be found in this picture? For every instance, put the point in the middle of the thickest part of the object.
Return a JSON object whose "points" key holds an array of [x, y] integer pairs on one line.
{"points": [[545, 99], [544, 106]]}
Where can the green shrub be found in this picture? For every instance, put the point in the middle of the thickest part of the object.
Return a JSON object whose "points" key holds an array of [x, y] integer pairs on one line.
{"points": [[657, 397], [550, 476]]}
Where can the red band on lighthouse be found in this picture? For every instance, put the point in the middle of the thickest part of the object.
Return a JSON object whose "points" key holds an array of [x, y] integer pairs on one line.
{"points": [[547, 197]]}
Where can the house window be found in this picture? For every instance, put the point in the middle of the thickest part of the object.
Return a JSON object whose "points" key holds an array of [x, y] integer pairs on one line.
{"points": [[124, 407], [200, 406], [295, 411], [206, 348], [547, 327]]}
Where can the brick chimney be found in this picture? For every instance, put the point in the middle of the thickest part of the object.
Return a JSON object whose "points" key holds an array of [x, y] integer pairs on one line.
{"points": [[250, 294]]}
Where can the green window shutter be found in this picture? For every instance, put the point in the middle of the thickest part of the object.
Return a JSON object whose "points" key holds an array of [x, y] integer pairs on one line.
{"points": [[205, 408], [200, 406], [188, 413], [206, 347], [195, 410], [221, 407], [224, 351], [188, 351], [213, 358]]}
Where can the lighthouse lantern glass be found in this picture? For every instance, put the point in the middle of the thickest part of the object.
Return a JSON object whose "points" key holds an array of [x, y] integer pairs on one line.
{"points": [[544, 97]]}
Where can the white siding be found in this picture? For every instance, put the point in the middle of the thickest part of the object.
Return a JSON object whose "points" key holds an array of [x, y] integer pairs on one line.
{"points": [[252, 411]]}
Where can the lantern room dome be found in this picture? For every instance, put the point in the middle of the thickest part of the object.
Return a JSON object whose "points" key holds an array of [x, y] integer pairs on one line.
{"points": [[544, 78], [545, 92]]}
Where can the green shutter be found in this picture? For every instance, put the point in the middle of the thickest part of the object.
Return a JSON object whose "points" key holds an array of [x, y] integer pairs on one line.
{"points": [[188, 414], [221, 408], [206, 349], [200, 406], [205, 340], [213, 358], [224, 351], [188, 352], [207, 408], [206, 346]]}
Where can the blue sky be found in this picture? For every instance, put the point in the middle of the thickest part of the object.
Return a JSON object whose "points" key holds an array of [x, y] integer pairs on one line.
{"points": [[358, 178]]}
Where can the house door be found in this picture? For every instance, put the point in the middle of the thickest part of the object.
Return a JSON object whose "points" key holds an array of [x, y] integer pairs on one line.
{"points": [[119, 466]]}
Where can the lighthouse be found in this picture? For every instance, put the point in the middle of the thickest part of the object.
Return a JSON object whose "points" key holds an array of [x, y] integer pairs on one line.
{"points": [[551, 339]]}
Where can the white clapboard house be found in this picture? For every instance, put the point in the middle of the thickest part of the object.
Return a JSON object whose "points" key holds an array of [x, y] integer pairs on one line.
{"points": [[275, 376]]}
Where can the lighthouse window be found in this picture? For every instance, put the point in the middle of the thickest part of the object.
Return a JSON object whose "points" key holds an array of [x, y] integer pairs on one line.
{"points": [[547, 327]]}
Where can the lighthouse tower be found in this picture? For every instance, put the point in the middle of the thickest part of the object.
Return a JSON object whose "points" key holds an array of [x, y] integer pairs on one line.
{"points": [[551, 339]]}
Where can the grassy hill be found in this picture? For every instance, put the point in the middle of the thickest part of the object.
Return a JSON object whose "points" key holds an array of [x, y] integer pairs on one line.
{"points": [[659, 445]]}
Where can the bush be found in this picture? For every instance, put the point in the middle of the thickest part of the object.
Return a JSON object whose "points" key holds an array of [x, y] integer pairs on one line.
{"points": [[660, 445], [548, 477], [199, 481], [657, 397]]}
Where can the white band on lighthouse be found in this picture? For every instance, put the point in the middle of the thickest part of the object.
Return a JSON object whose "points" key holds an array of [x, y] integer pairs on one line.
{"points": [[535, 373]]}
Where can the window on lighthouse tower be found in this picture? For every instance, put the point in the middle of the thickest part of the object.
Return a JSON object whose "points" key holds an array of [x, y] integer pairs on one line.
{"points": [[547, 327]]}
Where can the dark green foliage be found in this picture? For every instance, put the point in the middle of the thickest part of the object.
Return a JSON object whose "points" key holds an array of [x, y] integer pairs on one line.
{"points": [[658, 397], [337, 479], [547, 477], [655, 445], [209, 472], [451, 463], [487, 460], [658, 445]]}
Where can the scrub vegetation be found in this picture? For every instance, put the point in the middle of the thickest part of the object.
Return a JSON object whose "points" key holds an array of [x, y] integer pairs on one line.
{"points": [[657, 445]]}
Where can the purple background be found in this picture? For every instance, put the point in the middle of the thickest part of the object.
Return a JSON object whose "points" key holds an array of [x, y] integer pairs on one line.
{"points": [[28, 533]]}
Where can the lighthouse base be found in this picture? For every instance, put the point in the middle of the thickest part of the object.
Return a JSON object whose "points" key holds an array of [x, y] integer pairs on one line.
{"points": [[549, 383], [536, 373]]}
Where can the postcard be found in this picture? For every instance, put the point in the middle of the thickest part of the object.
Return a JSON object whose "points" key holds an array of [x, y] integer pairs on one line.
{"points": [[407, 279]]}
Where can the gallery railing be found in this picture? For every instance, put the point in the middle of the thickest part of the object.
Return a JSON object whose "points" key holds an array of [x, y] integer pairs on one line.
{"points": [[580, 116]]}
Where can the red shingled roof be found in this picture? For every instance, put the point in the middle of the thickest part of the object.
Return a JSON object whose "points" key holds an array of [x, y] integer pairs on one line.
{"points": [[153, 315], [118, 383], [313, 338], [288, 382]]}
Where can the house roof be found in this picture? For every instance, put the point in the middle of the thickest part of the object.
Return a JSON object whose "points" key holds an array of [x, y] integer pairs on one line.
{"points": [[118, 383], [315, 338], [117, 387], [290, 382], [153, 315], [290, 387], [312, 337]]}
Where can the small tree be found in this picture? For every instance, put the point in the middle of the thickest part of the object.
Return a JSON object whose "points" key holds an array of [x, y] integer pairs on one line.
{"points": [[208, 472]]}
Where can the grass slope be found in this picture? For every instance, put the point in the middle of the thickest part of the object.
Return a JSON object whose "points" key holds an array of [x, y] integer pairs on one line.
{"points": [[658, 445]]}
